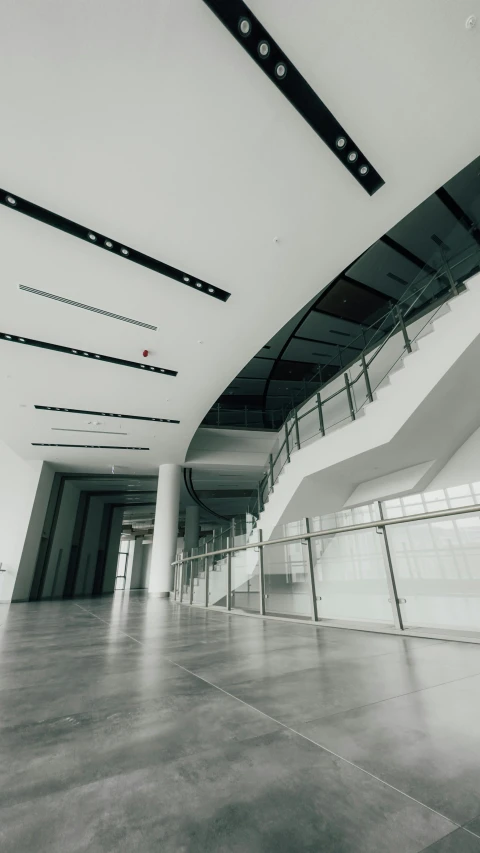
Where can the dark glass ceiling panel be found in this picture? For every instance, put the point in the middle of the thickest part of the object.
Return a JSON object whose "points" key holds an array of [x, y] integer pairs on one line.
{"points": [[349, 301], [378, 266], [430, 219], [465, 189]]}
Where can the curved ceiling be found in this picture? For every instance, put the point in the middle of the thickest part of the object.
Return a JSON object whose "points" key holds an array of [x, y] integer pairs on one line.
{"points": [[149, 125], [330, 332]]}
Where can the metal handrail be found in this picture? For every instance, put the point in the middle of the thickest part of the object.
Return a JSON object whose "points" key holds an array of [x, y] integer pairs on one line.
{"points": [[299, 537]]}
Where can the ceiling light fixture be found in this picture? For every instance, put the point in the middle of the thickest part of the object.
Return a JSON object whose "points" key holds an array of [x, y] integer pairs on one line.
{"points": [[363, 170], [101, 241], [69, 351], [240, 21], [109, 415], [352, 157], [245, 27], [341, 142], [263, 49]]}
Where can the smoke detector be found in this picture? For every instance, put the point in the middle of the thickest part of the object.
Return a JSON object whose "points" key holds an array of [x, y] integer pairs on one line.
{"points": [[470, 23]]}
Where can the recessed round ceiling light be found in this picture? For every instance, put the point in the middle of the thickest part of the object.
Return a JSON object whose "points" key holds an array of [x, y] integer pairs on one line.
{"points": [[22, 340], [91, 236], [162, 370], [108, 244], [281, 70], [97, 356], [74, 351], [198, 284], [124, 251], [352, 156], [9, 337], [211, 290], [152, 368], [11, 199], [263, 49], [245, 26], [363, 170], [142, 366], [341, 142], [186, 278]]}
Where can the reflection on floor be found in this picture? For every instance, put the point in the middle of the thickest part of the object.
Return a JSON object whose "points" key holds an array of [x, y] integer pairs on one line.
{"points": [[135, 724]]}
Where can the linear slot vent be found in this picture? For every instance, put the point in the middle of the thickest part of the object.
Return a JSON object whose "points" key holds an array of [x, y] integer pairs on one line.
{"points": [[106, 414], [93, 431], [87, 446], [86, 307]]}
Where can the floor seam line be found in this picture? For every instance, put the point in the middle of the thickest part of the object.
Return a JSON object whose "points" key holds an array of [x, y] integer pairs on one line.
{"points": [[389, 698], [289, 728]]}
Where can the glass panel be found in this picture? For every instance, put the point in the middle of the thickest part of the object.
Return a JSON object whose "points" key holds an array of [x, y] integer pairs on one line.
{"points": [[217, 575], [287, 576], [437, 569], [345, 517], [308, 422], [336, 410], [246, 580], [199, 582], [350, 577]]}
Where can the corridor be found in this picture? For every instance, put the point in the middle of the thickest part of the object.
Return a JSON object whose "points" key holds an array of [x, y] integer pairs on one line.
{"points": [[135, 724]]}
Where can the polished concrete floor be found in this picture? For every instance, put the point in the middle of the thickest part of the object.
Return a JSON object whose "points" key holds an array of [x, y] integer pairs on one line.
{"points": [[141, 725]]}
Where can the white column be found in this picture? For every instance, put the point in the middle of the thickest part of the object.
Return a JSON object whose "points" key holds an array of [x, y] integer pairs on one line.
{"points": [[192, 526], [165, 532]]}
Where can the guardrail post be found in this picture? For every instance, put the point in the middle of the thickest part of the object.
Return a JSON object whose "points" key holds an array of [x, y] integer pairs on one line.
{"points": [[261, 575], [229, 574], [270, 462], [320, 414], [391, 583], [205, 563], [297, 429], [192, 562], [311, 569], [181, 576], [367, 378], [286, 441], [349, 396], [401, 323], [451, 280]]}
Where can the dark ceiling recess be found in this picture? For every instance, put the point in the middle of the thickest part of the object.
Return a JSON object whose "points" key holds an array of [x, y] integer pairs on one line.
{"points": [[87, 446], [14, 202], [16, 339], [352, 301], [107, 414], [258, 43]]}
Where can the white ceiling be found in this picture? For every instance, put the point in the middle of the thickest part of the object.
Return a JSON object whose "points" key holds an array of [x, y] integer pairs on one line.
{"points": [[147, 122]]}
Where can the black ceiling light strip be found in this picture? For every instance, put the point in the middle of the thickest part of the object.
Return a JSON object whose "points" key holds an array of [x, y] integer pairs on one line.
{"points": [[15, 202], [459, 213], [107, 414], [86, 307], [16, 339], [254, 38], [87, 446]]}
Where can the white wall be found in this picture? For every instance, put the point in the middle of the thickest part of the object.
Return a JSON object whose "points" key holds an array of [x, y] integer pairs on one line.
{"points": [[462, 467], [33, 538], [19, 481]]}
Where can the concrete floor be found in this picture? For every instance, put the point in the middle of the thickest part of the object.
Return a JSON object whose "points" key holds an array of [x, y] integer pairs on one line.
{"points": [[140, 725]]}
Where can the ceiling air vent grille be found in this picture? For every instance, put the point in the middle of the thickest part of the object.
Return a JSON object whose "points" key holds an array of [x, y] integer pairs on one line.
{"points": [[86, 307]]}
